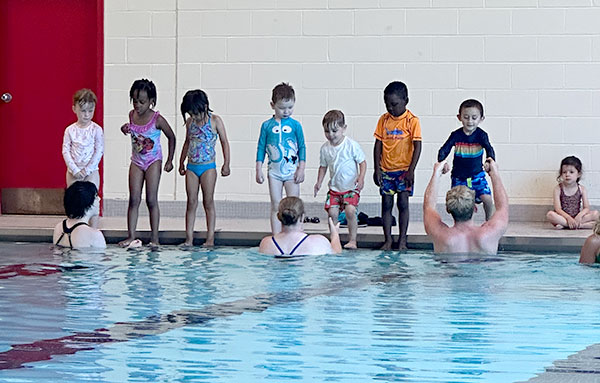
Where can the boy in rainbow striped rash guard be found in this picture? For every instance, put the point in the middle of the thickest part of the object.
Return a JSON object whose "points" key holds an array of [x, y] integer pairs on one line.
{"points": [[469, 142]]}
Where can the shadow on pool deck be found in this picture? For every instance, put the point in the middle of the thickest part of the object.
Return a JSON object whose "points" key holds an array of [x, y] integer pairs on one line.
{"points": [[520, 236]]}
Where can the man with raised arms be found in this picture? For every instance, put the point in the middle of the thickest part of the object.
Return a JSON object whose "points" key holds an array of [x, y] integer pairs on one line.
{"points": [[465, 236]]}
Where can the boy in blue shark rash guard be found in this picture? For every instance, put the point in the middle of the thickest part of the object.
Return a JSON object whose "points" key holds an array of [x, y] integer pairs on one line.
{"points": [[469, 142], [282, 139]]}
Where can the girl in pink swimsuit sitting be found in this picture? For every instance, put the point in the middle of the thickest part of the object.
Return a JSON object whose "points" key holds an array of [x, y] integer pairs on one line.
{"points": [[571, 205], [202, 130], [144, 127]]}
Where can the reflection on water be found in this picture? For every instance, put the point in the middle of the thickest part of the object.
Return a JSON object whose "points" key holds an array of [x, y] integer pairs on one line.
{"points": [[231, 315]]}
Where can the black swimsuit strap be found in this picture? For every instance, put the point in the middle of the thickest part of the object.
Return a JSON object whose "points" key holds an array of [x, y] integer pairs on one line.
{"points": [[68, 231], [276, 244], [299, 243]]}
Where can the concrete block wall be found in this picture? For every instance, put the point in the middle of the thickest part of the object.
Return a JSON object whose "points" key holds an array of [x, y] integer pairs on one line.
{"points": [[535, 65]]}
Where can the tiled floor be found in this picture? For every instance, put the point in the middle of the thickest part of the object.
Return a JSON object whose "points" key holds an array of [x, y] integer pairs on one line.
{"points": [[525, 236]]}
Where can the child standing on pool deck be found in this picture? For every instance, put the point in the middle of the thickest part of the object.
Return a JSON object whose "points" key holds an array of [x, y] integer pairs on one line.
{"points": [[469, 142], [282, 139], [202, 129], [144, 127], [571, 205], [347, 167], [83, 143], [396, 153]]}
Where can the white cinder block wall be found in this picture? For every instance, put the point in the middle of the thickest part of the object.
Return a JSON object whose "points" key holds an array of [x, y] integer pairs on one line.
{"points": [[535, 65]]}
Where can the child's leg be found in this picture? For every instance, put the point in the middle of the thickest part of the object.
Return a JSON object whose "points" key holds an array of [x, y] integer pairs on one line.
{"points": [[152, 178], [208, 181], [589, 220], [557, 220], [136, 181], [276, 192], [94, 178], [192, 185], [334, 212], [350, 211], [292, 189], [488, 205], [387, 204], [403, 216]]}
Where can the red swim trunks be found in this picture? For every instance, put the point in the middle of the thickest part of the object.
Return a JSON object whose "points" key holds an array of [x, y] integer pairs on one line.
{"points": [[350, 197]]}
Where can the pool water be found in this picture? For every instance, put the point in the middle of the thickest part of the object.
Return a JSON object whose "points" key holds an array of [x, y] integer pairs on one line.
{"points": [[234, 315]]}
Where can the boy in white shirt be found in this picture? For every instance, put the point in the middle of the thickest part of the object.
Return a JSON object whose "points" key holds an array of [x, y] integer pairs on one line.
{"points": [[347, 167]]}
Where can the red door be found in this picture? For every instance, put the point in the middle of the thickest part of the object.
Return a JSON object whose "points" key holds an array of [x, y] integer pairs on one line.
{"points": [[48, 50]]}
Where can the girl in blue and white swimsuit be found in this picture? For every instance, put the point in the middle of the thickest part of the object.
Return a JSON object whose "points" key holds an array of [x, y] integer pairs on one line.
{"points": [[202, 130]]}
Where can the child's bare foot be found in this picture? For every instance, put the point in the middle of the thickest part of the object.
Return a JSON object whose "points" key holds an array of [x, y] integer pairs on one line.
{"points": [[350, 245], [154, 245], [402, 247], [210, 242], [559, 227], [186, 245], [387, 246], [126, 242]]}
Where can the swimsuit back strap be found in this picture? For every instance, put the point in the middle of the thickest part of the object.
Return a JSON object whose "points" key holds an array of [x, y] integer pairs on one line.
{"points": [[277, 245], [69, 230], [297, 245]]}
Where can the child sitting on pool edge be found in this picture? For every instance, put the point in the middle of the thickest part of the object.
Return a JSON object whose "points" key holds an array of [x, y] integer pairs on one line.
{"points": [[347, 167], [571, 205]]}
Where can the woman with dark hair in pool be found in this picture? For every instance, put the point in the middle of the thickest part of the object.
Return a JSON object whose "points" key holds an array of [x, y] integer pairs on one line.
{"points": [[81, 203], [292, 240], [590, 252]]}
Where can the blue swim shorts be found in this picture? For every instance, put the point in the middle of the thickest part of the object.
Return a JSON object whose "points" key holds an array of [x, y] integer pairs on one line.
{"points": [[394, 182], [477, 183], [199, 169]]}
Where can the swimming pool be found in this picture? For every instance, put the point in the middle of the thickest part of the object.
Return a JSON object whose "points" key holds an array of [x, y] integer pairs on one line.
{"points": [[233, 315]]}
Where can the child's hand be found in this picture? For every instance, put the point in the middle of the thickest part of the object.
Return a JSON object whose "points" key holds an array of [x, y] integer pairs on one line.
{"points": [[125, 129], [334, 228], [79, 175], [446, 168], [409, 179], [377, 176], [299, 176], [168, 166], [571, 222], [316, 189], [259, 176], [182, 169], [360, 184], [225, 171], [577, 220]]}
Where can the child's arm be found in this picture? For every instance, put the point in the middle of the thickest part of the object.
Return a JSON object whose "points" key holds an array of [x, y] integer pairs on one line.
{"points": [[69, 161], [558, 208], [185, 148], [410, 175], [163, 125], [320, 177], [261, 151], [98, 151], [299, 175], [225, 171], [377, 150], [445, 151], [362, 172]]}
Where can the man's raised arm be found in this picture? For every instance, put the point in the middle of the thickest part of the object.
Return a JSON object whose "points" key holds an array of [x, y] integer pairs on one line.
{"points": [[431, 218], [499, 220]]}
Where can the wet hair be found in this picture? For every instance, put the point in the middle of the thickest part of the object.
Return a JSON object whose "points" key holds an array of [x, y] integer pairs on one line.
{"points": [[283, 91], [573, 161], [291, 209], [597, 227], [398, 88], [471, 103], [460, 203], [195, 102], [79, 198], [143, 85], [84, 96], [333, 120]]}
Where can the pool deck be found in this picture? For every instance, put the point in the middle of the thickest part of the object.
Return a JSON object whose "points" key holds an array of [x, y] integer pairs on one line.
{"points": [[520, 236]]}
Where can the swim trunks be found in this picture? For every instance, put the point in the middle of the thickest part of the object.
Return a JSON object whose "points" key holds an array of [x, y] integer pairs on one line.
{"points": [[394, 182], [477, 183], [350, 197]]}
